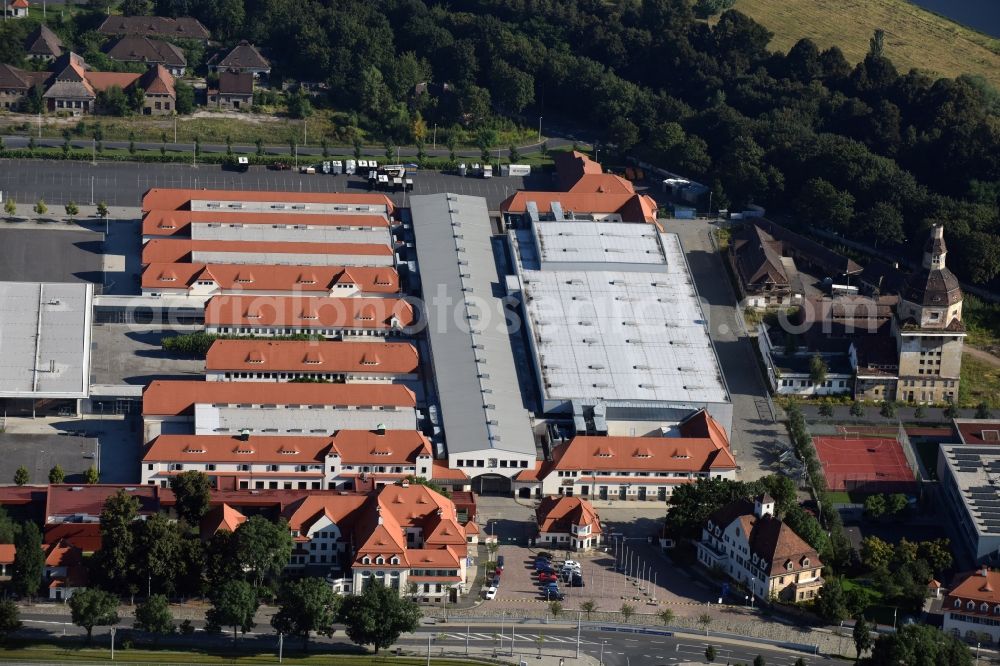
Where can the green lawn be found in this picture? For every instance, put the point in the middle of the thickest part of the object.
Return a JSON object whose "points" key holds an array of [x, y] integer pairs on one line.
{"points": [[914, 37], [980, 383], [839, 497], [58, 654]]}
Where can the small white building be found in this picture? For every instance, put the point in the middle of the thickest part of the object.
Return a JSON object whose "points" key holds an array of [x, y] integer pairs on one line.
{"points": [[568, 522]]}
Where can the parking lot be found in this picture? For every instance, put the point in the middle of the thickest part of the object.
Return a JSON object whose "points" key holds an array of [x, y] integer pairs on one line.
{"points": [[49, 255], [131, 354], [122, 184]]}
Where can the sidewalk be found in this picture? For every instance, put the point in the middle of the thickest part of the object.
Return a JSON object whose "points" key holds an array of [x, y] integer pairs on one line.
{"points": [[56, 217]]}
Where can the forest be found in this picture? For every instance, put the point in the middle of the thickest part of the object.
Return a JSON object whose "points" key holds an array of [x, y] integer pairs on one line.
{"points": [[864, 150]]}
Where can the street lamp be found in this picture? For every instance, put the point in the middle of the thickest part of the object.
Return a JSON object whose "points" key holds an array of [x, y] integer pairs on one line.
{"points": [[539, 129], [603, 642]]}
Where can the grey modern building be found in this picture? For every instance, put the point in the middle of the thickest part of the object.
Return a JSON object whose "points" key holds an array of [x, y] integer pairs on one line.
{"points": [[486, 424], [970, 489]]}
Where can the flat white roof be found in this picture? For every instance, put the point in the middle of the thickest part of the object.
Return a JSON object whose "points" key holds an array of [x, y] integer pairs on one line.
{"points": [[306, 420], [976, 470], [623, 335], [45, 339], [583, 241]]}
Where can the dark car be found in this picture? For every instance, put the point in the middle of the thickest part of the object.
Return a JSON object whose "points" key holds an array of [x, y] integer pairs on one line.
{"points": [[548, 570], [500, 562], [496, 581], [543, 556], [278, 166], [576, 581], [542, 564], [549, 595]]}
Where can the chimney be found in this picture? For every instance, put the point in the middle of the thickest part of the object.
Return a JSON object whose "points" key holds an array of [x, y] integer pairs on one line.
{"points": [[937, 231], [244, 435], [380, 429]]}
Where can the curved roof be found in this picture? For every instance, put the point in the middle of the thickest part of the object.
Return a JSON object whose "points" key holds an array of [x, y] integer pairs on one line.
{"points": [[936, 287]]}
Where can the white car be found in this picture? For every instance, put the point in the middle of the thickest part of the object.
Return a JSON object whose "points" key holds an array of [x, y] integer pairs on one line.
{"points": [[571, 563], [491, 593]]}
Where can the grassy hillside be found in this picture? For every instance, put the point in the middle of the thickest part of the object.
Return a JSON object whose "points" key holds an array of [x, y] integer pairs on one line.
{"points": [[914, 36]]}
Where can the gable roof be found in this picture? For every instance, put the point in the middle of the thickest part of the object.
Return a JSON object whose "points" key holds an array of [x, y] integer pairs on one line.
{"points": [[43, 42], [774, 542], [602, 183], [559, 514], [183, 27], [178, 222], [13, 78], [758, 257], [135, 48], [244, 56], [309, 312], [70, 500], [101, 81], [162, 198], [158, 81], [571, 166], [178, 397], [173, 250], [631, 207], [391, 448], [830, 261], [235, 83], [981, 586], [272, 278], [313, 356], [221, 517]]}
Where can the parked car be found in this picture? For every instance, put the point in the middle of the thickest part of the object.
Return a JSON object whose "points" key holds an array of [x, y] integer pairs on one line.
{"points": [[542, 564], [577, 581], [491, 593], [497, 571], [549, 595], [500, 562], [546, 577], [543, 556], [278, 166], [571, 563], [496, 581], [307, 169]]}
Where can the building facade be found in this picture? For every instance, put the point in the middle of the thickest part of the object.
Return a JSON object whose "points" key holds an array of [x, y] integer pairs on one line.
{"points": [[745, 541], [972, 609], [568, 522]]}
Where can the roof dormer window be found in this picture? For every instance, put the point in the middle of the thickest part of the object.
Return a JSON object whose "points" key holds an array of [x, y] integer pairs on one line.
{"points": [[379, 560], [958, 603], [984, 607], [366, 560], [971, 605], [395, 560]]}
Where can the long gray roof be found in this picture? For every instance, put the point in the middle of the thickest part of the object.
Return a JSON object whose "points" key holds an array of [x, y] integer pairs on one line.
{"points": [[477, 384]]}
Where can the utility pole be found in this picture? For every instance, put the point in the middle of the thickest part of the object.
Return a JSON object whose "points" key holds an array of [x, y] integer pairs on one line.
{"points": [[281, 646], [175, 130], [113, 630], [467, 630], [578, 625], [92, 197], [428, 649], [435, 136], [539, 129], [305, 132]]}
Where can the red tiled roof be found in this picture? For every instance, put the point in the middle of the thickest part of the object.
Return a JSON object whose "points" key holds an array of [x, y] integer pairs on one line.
{"points": [[573, 165], [441, 471], [978, 431], [308, 311], [221, 517], [103, 80], [178, 222], [774, 542], [7, 551], [979, 587], [558, 514], [174, 250], [604, 183], [69, 499], [177, 199], [62, 554], [177, 397], [313, 356], [631, 207], [267, 278], [85, 536]]}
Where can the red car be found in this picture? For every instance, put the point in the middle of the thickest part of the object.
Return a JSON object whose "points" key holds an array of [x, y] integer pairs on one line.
{"points": [[546, 577], [498, 571]]}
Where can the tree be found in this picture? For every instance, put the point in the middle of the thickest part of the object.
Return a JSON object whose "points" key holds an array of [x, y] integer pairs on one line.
{"points": [[513, 154], [136, 99], [919, 645], [937, 554], [627, 611], [486, 138], [102, 209], [875, 506], [876, 553], [825, 409], [8, 528], [306, 605], [259, 142], [185, 98], [704, 621], [29, 561], [115, 562], [229, 145], [876, 45], [512, 88], [390, 151], [817, 370], [862, 635], [197, 146], [378, 616], [10, 618], [951, 411], [91, 608], [299, 105], [10, 207], [136, 7], [831, 603], [451, 142], [888, 409], [72, 209], [114, 101], [857, 409], [710, 654], [781, 489], [820, 203], [896, 503], [21, 476], [193, 492], [983, 411], [883, 222], [158, 551], [556, 609], [759, 661], [154, 616], [92, 476], [263, 548], [234, 605], [40, 207], [56, 475], [325, 145], [806, 526], [588, 607], [706, 8]]}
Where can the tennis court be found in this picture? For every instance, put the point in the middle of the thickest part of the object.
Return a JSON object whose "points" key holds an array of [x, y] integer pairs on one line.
{"points": [[865, 464]]}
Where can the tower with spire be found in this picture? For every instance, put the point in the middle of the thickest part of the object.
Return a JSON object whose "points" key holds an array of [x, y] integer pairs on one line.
{"points": [[928, 328]]}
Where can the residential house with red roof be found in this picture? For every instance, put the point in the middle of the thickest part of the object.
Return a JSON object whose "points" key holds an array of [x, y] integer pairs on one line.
{"points": [[633, 468], [16, 8], [972, 608], [7, 552], [243, 58], [146, 51], [74, 88], [43, 44], [568, 522], [745, 541]]}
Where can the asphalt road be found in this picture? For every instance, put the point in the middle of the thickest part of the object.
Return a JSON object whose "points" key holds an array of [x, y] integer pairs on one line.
{"points": [[123, 183], [619, 648], [22, 141]]}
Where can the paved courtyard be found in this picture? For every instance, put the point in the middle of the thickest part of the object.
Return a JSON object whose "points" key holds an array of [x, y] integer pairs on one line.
{"points": [[131, 354]]}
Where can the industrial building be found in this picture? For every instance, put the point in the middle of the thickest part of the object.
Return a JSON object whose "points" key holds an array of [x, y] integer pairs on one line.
{"points": [[618, 338], [44, 347], [485, 420], [968, 475]]}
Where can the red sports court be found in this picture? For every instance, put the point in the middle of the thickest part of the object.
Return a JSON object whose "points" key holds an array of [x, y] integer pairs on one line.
{"points": [[865, 464]]}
